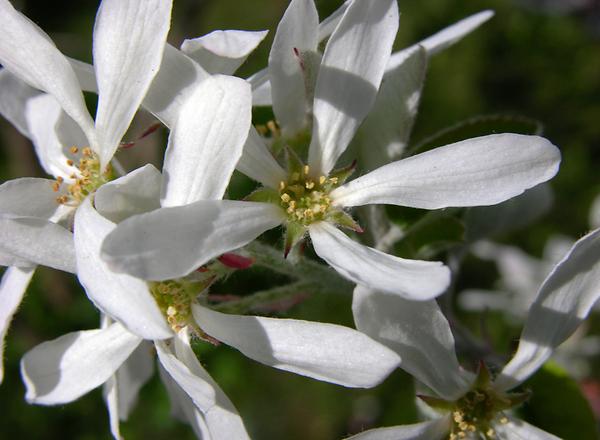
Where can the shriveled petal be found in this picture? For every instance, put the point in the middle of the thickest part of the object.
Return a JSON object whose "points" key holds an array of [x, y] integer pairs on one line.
{"points": [[223, 51], [29, 53], [122, 297], [172, 242], [28, 197], [66, 368], [206, 141], [53, 133], [517, 429], [384, 135], [351, 71], [135, 193], [444, 38], [410, 279], [14, 95], [562, 304], [38, 241], [129, 38], [187, 374], [326, 352], [258, 163], [296, 33], [12, 288], [431, 430], [479, 171], [419, 333]]}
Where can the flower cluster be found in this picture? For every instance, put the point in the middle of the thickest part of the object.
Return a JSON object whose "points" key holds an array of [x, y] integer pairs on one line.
{"points": [[148, 246]]}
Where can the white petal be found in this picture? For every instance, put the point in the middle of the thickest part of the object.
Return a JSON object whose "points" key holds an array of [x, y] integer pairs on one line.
{"points": [[188, 375], [177, 77], [206, 141], [411, 279], [120, 296], [384, 135], [8, 259], [431, 430], [351, 71], [479, 171], [14, 95], [132, 376], [517, 429], [219, 422], [223, 51], [66, 368], [53, 133], [135, 193], [28, 197], [442, 39], [38, 241], [326, 352], [172, 242], [297, 31], [562, 303], [419, 333], [328, 25], [129, 37], [12, 289], [595, 213], [110, 392], [258, 163], [29, 53], [85, 74]]}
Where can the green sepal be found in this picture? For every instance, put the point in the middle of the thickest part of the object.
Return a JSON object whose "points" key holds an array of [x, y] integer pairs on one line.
{"points": [[342, 174], [294, 233], [345, 220], [484, 377], [437, 403], [264, 195]]}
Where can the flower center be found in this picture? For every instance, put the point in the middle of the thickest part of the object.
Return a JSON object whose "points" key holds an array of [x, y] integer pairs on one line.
{"points": [[89, 178], [304, 199], [174, 299], [475, 412]]}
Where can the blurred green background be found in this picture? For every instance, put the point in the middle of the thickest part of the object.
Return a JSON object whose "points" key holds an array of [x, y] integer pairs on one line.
{"points": [[536, 62]]}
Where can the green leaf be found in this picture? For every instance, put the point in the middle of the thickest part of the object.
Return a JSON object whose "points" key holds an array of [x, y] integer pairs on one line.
{"points": [[479, 126], [558, 406]]}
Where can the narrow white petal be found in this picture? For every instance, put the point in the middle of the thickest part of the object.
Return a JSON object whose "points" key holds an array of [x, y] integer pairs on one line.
{"points": [[444, 38], [14, 96], [410, 279], [479, 171], [384, 135], [223, 51], [326, 352], [12, 289], [188, 375], [53, 133], [38, 241], [297, 31], [328, 25], [517, 429], [351, 71], [28, 197], [135, 193], [562, 304], [431, 430], [595, 213], [132, 376], [206, 141], [261, 88], [122, 297], [129, 37], [29, 53], [110, 392], [66, 368], [419, 333], [177, 77], [258, 163], [172, 242]]}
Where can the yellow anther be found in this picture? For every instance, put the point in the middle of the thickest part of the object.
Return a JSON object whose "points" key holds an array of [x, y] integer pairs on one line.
{"points": [[281, 185], [309, 184], [62, 200], [322, 180], [491, 433], [306, 170], [55, 186], [333, 180], [70, 162], [285, 197], [74, 149], [60, 180], [171, 311], [504, 420], [87, 151], [272, 127]]}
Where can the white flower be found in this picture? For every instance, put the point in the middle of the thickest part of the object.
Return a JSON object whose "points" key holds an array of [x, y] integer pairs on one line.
{"points": [[420, 334], [172, 242], [129, 37]]}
